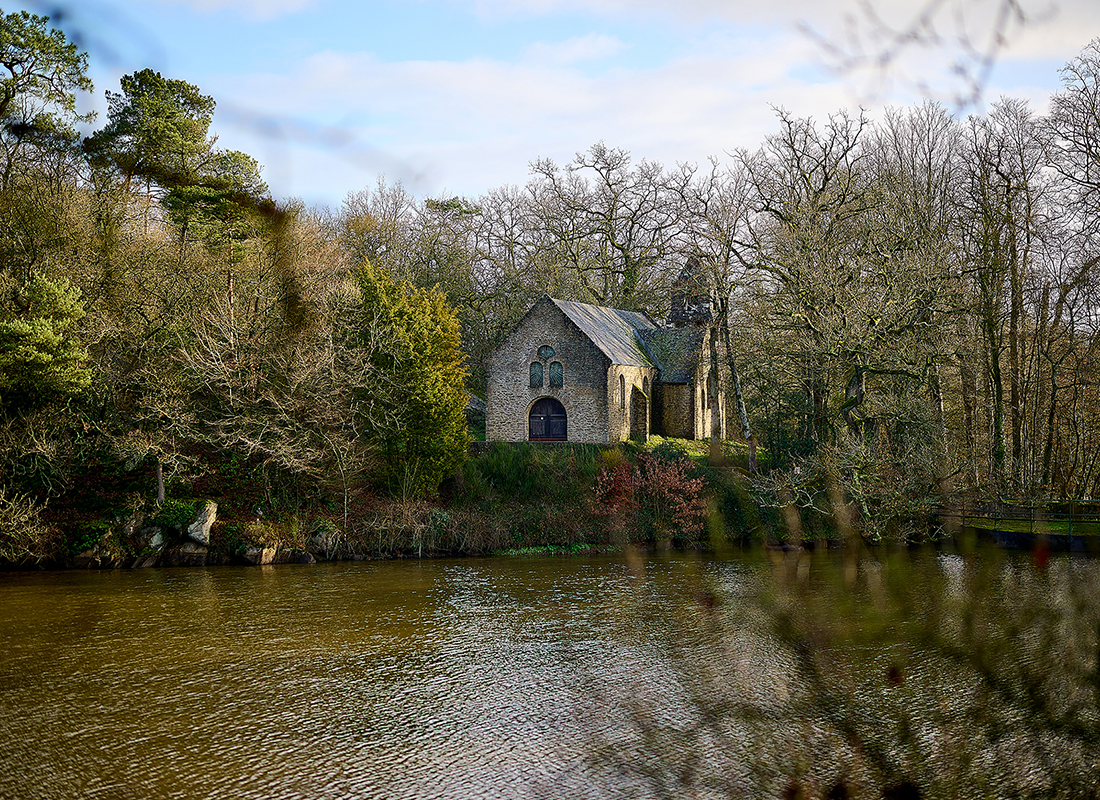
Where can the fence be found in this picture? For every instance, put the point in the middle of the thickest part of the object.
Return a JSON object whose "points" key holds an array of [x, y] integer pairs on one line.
{"points": [[1065, 524]]}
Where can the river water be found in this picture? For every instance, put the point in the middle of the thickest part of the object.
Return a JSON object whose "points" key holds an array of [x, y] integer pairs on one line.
{"points": [[499, 678]]}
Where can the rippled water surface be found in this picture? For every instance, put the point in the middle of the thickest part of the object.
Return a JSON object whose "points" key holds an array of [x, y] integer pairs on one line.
{"points": [[503, 678], [423, 679]]}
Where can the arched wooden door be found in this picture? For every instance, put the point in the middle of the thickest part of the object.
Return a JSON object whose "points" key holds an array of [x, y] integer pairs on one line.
{"points": [[547, 421]]}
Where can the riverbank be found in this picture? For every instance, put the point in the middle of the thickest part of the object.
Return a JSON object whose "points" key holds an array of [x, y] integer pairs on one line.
{"points": [[507, 498]]}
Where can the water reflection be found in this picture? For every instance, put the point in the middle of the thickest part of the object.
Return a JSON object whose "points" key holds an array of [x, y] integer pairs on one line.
{"points": [[540, 677]]}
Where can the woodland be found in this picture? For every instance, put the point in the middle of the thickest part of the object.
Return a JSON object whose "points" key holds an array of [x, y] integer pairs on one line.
{"points": [[907, 309]]}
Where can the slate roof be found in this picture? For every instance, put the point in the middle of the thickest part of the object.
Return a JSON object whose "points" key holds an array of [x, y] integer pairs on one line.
{"points": [[612, 330], [674, 350]]}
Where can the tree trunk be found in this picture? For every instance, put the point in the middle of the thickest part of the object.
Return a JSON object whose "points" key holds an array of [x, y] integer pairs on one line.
{"points": [[160, 481], [854, 394], [1014, 363], [713, 398], [738, 396], [969, 392], [996, 402], [936, 389]]}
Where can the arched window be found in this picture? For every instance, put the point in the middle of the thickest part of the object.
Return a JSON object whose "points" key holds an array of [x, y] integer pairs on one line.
{"points": [[557, 375], [622, 392], [536, 375], [546, 351]]}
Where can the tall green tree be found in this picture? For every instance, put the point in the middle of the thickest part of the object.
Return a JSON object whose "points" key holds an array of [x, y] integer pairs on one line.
{"points": [[414, 412], [158, 133], [157, 130], [40, 74]]}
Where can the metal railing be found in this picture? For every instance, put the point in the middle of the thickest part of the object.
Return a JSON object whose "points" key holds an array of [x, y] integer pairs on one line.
{"points": [[1033, 517]]}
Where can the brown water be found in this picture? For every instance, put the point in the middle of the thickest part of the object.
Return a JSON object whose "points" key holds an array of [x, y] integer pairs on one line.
{"points": [[397, 679], [503, 678]]}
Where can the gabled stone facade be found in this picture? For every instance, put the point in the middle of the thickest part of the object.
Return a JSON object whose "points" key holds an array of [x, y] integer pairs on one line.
{"points": [[583, 373]]}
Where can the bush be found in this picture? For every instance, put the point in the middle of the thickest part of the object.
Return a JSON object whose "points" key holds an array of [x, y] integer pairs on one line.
{"points": [[526, 473], [23, 534], [659, 501], [176, 514], [86, 535], [414, 345]]}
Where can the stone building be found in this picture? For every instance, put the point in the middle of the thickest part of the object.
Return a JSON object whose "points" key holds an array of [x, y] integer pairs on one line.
{"points": [[584, 373]]}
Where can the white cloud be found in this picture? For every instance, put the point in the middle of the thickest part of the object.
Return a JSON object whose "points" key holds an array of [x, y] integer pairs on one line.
{"points": [[593, 47], [1052, 26], [468, 126]]}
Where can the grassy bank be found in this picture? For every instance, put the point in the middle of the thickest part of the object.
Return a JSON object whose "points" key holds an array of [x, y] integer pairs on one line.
{"points": [[505, 498]]}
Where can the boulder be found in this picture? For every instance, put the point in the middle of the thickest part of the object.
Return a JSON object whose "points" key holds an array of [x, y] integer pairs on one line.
{"points": [[132, 525], [150, 538], [86, 559], [188, 554], [325, 541], [199, 530], [259, 555]]}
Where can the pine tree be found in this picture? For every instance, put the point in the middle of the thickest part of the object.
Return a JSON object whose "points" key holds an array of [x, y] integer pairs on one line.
{"points": [[41, 358]]}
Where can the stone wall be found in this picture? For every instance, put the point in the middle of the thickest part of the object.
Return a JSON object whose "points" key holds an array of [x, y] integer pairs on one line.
{"points": [[703, 404], [619, 417], [676, 412], [684, 411], [590, 393], [583, 393]]}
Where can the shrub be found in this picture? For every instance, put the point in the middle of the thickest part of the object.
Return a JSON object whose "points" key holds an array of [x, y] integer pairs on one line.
{"points": [[658, 501], [23, 534], [176, 514], [672, 505], [86, 535], [412, 338]]}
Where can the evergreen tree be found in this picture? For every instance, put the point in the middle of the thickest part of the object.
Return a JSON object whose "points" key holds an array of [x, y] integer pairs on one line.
{"points": [[41, 358], [414, 414]]}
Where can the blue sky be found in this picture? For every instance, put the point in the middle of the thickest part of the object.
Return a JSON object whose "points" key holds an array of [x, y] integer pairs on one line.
{"points": [[459, 96]]}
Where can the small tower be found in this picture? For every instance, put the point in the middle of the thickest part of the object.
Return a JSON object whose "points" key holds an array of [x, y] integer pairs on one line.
{"points": [[690, 296]]}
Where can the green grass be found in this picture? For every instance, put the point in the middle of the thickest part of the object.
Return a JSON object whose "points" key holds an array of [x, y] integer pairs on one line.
{"points": [[698, 450], [580, 548], [1060, 527]]}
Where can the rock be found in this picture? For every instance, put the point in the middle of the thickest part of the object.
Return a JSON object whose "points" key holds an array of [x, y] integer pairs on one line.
{"points": [[302, 557], [144, 562], [325, 541], [199, 530], [132, 525], [475, 405], [188, 554], [260, 556], [150, 538], [86, 559]]}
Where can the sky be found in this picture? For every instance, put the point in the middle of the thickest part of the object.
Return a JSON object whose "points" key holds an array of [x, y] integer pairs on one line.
{"points": [[457, 97]]}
